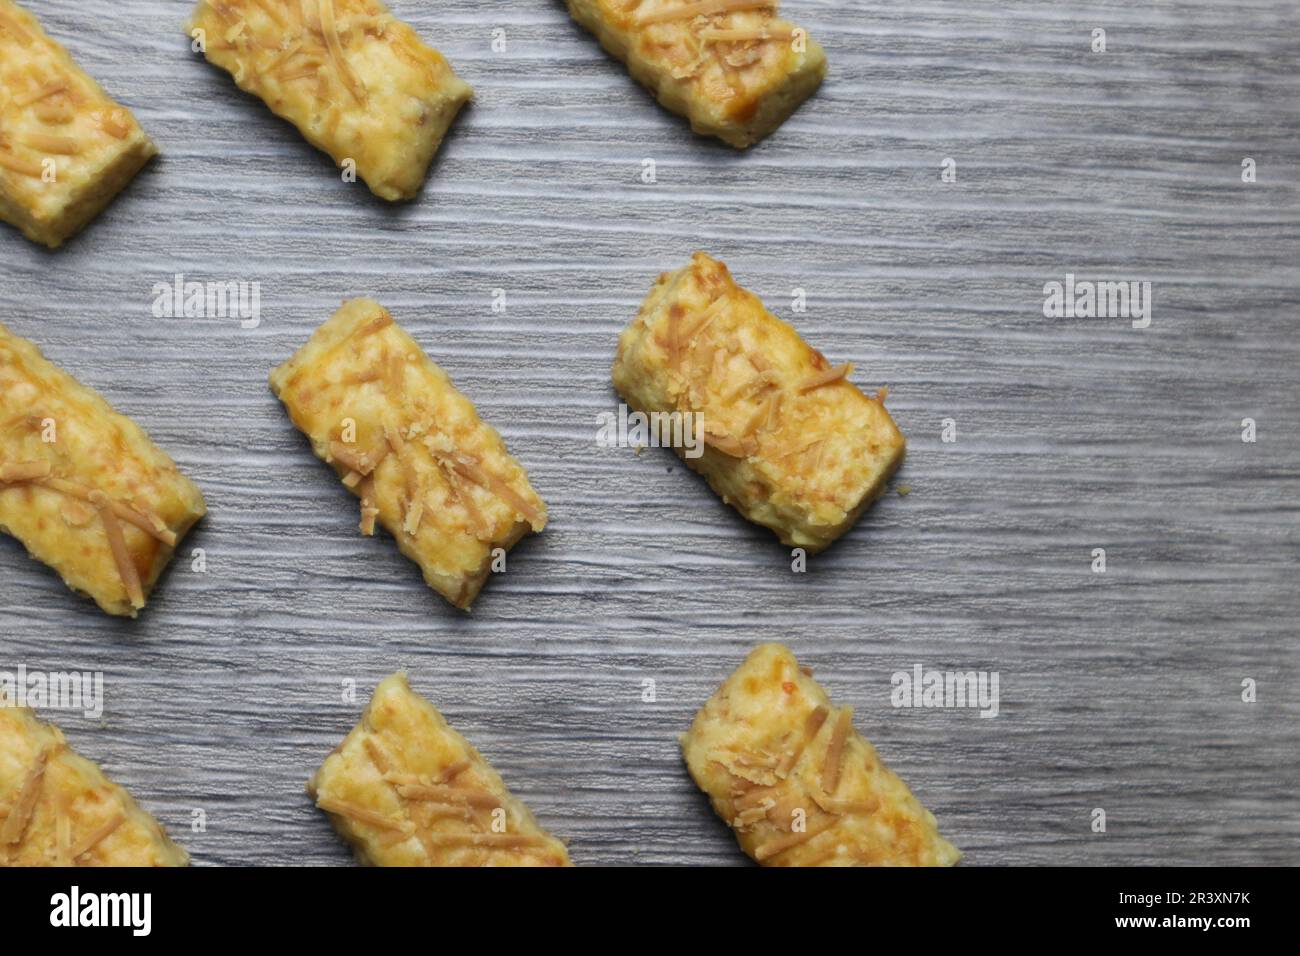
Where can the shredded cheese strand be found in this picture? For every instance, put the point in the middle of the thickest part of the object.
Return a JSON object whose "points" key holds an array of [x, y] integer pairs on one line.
{"points": [[452, 795], [20, 471], [835, 751], [369, 509], [775, 847], [330, 30], [41, 92], [825, 378], [468, 467], [378, 756], [280, 59], [52, 143], [846, 807], [117, 545], [21, 811], [811, 727], [150, 524], [363, 815], [363, 463], [98, 835], [19, 165], [728, 444], [700, 8]]}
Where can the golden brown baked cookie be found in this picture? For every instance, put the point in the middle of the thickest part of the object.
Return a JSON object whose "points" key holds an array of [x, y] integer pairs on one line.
{"points": [[410, 446], [66, 148], [792, 444], [732, 67], [406, 790], [82, 486], [58, 809], [800, 787], [357, 82]]}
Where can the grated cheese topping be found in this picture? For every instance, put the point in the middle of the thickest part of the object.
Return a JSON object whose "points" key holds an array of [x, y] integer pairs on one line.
{"points": [[126, 568]]}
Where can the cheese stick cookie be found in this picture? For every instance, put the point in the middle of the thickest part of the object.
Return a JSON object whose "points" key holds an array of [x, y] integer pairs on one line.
{"points": [[66, 148], [58, 809], [410, 446], [82, 486], [789, 441], [732, 67], [357, 82], [406, 790], [800, 787]]}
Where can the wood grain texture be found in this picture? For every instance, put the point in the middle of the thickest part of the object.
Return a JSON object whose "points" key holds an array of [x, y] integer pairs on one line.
{"points": [[1119, 690]]}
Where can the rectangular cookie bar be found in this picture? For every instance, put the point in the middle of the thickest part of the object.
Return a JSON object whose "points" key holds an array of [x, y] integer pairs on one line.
{"points": [[58, 809], [83, 487], [732, 67], [406, 790], [410, 446], [357, 82], [800, 787], [66, 148], [789, 441]]}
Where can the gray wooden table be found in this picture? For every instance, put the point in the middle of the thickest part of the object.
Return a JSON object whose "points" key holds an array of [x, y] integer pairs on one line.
{"points": [[1119, 690]]}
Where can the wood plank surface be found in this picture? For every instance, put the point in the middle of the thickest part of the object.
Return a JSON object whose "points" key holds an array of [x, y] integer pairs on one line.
{"points": [[1119, 690]]}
